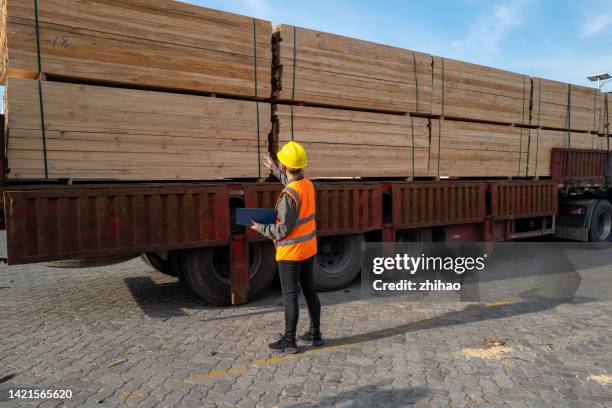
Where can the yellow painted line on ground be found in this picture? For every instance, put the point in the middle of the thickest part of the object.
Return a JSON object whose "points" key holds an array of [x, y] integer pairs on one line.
{"points": [[499, 304], [339, 344]]}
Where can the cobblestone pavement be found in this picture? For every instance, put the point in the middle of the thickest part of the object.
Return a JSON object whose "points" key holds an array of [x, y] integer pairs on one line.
{"points": [[125, 335]]}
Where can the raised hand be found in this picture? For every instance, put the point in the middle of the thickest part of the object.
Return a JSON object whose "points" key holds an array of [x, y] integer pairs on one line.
{"points": [[269, 163]]}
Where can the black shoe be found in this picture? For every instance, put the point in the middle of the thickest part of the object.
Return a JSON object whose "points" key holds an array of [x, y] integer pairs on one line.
{"points": [[313, 337], [284, 345]]}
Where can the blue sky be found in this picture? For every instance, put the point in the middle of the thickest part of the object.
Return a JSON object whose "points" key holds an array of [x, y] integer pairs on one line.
{"points": [[562, 40]]}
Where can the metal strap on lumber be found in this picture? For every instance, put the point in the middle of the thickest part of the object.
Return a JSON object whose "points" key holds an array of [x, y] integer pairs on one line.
{"points": [[441, 121], [529, 122], [538, 132], [429, 145], [439, 144], [416, 81], [443, 87], [293, 80], [256, 100], [521, 141], [413, 147], [569, 130], [40, 90]]}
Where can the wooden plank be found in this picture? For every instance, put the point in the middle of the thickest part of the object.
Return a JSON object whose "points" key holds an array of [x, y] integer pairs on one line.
{"points": [[123, 134], [469, 91], [339, 71], [160, 44], [469, 149], [342, 143]]}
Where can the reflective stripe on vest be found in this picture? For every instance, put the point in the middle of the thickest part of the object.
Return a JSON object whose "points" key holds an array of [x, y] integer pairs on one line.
{"points": [[301, 242]]}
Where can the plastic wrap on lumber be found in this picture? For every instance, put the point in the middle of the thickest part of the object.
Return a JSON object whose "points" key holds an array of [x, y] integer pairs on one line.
{"points": [[343, 143], [544, 140], [469, 91], [468, 149], [338, 71], [559, 105], [95, 132], [149, 44]]}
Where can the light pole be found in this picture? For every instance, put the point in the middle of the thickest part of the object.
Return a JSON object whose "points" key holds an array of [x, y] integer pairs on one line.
{"points": [[601, 79]]}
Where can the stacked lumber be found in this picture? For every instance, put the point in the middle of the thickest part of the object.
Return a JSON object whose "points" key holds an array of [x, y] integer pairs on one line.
{"points": [[470, 149], [474, 92], [140, 43], [559, 105], [95, 132], [343, 143], [317, 68]]}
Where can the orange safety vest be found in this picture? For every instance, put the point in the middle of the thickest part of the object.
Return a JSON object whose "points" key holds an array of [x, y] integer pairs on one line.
{"points": [[301, 242]]}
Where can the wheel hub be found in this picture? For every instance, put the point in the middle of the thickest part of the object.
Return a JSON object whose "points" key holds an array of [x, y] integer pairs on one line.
{"points": [[221, 264], [331, 253]]}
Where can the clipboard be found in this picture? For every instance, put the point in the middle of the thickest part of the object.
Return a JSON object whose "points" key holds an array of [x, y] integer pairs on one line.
{"points": [[260, 215]]}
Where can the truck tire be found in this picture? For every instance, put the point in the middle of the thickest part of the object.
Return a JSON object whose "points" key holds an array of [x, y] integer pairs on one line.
{"points": [[88, 263], [600, 229], [419, 240], [338, 261], [206, 271], [158, 262]]}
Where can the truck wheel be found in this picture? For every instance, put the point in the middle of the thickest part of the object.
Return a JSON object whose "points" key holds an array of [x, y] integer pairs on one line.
{"points": [[338, 261], [418, 240], [206, 271], [600, 229], [158, 262]]}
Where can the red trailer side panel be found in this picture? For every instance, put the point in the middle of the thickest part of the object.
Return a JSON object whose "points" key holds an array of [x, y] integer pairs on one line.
{"points": [[426, 204], [581, 168], [523, 199], [86, 222], [342, 208]]}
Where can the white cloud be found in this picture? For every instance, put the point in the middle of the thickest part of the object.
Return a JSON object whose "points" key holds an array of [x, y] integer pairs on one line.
{"points": [[596, 25], [484, 35]]}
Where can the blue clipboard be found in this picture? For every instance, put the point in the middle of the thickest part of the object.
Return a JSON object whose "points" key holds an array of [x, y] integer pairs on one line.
{"points": [[261, 215]]}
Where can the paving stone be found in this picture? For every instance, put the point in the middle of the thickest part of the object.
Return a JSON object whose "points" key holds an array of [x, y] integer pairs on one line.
{"points": [[123, 335]]}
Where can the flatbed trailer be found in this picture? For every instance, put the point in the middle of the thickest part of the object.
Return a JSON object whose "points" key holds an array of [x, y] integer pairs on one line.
{"points": [[188, 229]]}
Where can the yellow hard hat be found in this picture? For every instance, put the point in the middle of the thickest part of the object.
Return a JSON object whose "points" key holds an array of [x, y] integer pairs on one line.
{"points": [[292, 155]]}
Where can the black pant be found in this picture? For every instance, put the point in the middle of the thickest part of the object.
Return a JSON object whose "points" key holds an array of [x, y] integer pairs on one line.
{"points": [[292, 272]]}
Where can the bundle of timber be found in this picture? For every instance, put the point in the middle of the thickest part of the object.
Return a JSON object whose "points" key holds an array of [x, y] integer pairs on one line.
{"points": [[474, 92], [542, 141], [149, 44], [317, 68], [94, 132], [561, 106], [342, 143], [470, 149]]}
